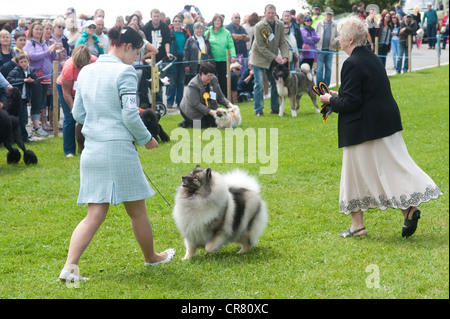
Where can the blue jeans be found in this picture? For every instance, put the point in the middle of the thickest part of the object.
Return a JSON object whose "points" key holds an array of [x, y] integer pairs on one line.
{"points": [[402, 50], [69, 144], [395, 48], [258, 90], [176, 86], [431, 34], [324, 64]]}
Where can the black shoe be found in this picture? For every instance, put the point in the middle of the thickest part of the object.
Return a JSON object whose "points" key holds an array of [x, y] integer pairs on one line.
{"points": [[184, 124], [410, 224]]}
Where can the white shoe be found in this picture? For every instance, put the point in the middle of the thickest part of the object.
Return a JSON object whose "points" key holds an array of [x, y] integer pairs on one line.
{"points": [[170, 254], [67, 276], [40, 132]]}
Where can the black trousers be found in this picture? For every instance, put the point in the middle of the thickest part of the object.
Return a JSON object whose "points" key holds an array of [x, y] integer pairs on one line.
{"points": [[205, 122], [221, 70]]}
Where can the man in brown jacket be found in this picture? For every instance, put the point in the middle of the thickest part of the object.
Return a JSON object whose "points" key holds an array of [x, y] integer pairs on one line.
{"points": [[269, 40]]}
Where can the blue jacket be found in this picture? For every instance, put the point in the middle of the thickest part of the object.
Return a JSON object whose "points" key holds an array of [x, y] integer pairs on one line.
{"points": [[105, 102]]}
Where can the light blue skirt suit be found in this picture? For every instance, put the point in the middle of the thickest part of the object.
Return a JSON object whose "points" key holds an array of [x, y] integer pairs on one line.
{"points": [[105, 103]]}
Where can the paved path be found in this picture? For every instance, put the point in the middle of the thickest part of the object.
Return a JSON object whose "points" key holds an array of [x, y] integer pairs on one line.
{"points": [[420, 59]]}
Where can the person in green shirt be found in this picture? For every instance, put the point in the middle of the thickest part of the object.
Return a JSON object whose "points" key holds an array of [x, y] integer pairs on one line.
{"points": [[316, 16], [220, 40], [432, 25]]}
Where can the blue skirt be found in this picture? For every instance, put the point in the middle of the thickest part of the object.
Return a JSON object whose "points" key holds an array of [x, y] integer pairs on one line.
{"points": [[110, 172]]}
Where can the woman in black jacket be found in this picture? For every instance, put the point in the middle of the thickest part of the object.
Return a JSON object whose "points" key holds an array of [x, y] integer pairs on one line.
{"points": [[196, 51], [377, 171]]}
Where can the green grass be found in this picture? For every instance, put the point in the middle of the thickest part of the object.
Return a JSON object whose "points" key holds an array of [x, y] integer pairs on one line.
{"points": [[298, 256]]}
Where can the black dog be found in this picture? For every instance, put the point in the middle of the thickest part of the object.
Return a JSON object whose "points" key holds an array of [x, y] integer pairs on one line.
{"points": [[10, 129], [151, 122]]}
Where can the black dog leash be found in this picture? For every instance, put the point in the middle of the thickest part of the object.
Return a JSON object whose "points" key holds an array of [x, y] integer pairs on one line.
{"points": [[153, 185]]}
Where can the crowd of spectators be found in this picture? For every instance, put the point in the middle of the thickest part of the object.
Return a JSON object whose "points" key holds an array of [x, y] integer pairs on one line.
{"points": [[190, 39]]}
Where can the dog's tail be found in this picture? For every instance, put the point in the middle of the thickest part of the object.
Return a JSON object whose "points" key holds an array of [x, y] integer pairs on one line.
{"points": [[241, 179], [305, 68]]}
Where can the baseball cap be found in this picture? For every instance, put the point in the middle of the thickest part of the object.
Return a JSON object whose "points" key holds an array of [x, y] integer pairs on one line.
{"points": [[89, 23]]}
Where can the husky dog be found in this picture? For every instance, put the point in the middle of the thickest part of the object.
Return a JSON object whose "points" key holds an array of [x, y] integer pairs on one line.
{"points": [[228, 118], [293, 86], [212, 210]]}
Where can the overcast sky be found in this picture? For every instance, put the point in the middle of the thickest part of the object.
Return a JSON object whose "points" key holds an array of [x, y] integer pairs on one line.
{"points": [[127, 7]]}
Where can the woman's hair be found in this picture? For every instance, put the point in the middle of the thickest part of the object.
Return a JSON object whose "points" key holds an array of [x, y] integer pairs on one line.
{"points": [[199, 25], [131, 17], [59, 21], [253, 19], [180, 17], [353, 28], [383, 19], [206, 68], [81, 56], [47, 23], [30, 34], [187, 18], [71, 24], [218, 16], [4, 32], [125, 35]]}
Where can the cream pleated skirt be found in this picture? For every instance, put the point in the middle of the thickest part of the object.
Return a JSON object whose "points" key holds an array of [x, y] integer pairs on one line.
{"points": [[110, 172], [381, 174]]}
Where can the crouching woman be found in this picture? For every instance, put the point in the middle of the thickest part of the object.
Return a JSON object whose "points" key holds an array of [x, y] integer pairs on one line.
{"points": [[201, 98]]}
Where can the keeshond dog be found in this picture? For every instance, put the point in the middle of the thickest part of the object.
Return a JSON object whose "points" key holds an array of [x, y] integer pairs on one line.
{"points": [[212, 210]]}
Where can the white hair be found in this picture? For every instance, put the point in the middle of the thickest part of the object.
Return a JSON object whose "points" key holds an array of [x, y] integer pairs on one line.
{"points": [[353, 28]]}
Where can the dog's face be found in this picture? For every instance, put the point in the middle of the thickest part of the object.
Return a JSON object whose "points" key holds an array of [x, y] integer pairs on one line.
{"points": [[221, 113], [223, 118], [280, 73], [198, 181], [151, 119]]}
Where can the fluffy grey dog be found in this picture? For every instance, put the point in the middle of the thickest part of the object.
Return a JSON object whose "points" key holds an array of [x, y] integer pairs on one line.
{"points": [[212, 210]]}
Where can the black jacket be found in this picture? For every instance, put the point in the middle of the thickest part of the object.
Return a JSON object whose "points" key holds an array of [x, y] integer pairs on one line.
{"points": [[17, 75], [367, 110], [158, 37]]}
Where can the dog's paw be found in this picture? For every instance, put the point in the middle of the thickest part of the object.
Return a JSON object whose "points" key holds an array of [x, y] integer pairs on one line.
{"points": [[211, 247]]}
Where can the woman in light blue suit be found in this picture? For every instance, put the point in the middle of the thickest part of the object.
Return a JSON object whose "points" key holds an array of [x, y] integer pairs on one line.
{"points": [[110, 170]]}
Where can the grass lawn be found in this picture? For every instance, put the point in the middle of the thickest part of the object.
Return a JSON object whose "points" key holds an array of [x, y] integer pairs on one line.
{"points": [[299, 255]]}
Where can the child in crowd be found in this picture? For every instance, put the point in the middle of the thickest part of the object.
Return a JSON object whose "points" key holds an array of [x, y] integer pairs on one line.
{"points": [[20, 39], [24, 77]]}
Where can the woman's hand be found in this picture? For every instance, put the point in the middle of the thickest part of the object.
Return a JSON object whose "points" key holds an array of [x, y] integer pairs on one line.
{"points": [[334, 94], [325, 99], [212, 113], [151, 144]]}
